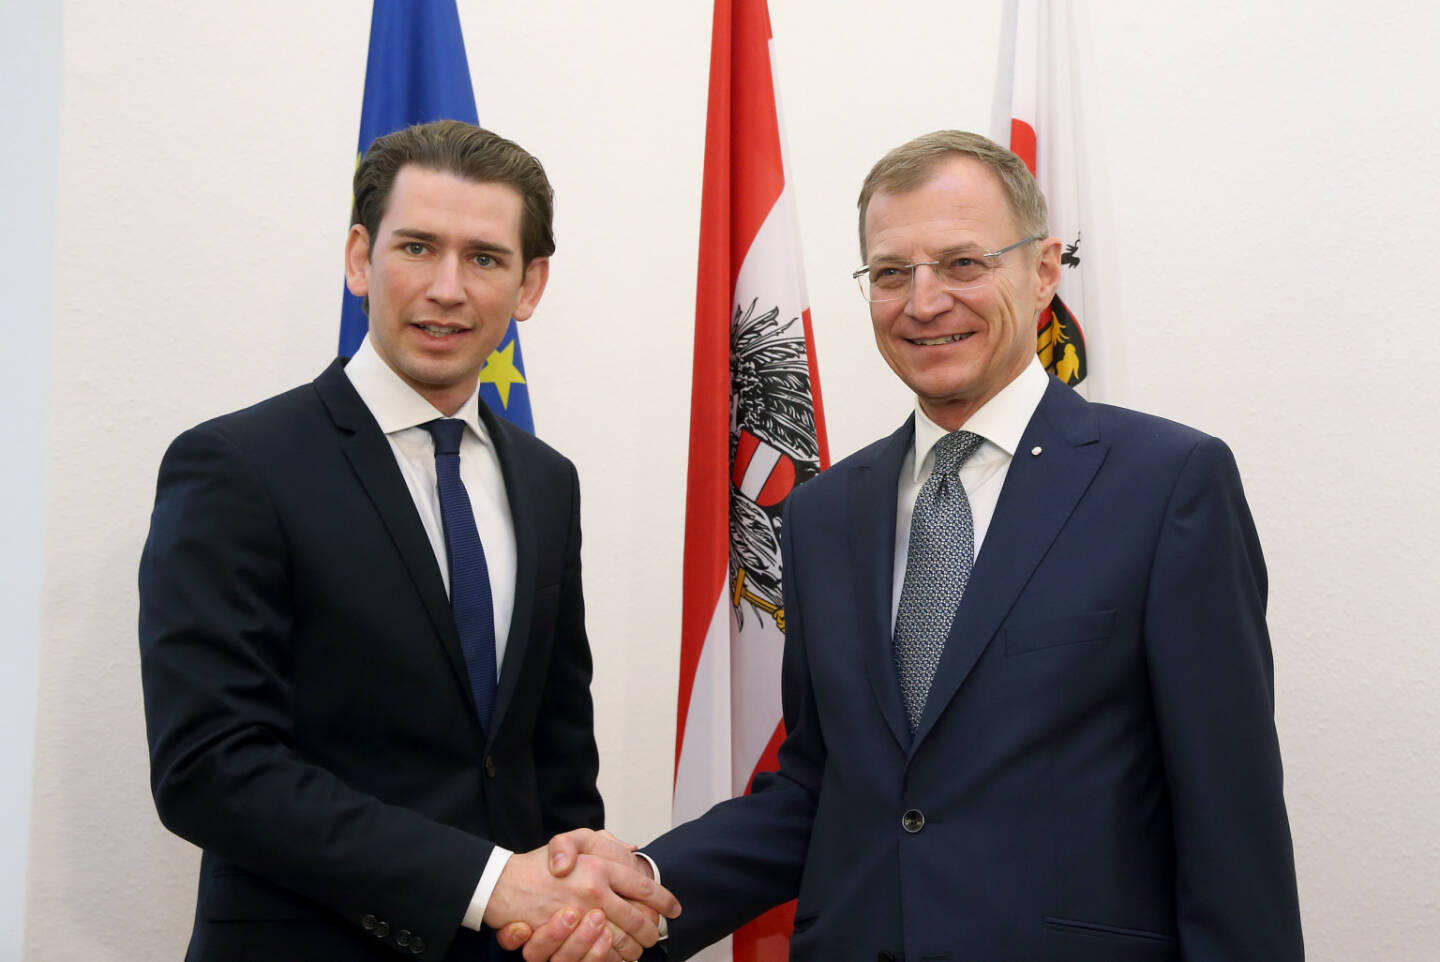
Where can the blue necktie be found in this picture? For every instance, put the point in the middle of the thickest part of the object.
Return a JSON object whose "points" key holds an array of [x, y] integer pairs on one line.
{"points": [[469, 576], [937, 568]]}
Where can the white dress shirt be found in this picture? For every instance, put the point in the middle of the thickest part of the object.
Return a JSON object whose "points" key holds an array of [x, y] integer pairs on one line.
{"points": [[400, 412], [1000, 421]]}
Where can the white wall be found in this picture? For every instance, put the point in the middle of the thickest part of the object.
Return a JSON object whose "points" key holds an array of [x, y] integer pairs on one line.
{"points": [[1273, 202]]}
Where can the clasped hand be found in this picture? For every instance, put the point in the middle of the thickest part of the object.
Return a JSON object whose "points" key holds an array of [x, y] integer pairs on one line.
{"points": [[586, 897]]}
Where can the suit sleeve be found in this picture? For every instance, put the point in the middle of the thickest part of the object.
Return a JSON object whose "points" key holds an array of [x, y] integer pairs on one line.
{"points": [[1212, 677], [566, 758], [216, 617], [746, 855]]}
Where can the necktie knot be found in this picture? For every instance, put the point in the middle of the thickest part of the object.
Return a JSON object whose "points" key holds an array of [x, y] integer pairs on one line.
{"points": [[954, 449], [447, 433]]}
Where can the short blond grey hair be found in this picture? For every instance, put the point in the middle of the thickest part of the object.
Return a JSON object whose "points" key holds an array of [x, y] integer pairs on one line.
{"points": [[910, 165]]}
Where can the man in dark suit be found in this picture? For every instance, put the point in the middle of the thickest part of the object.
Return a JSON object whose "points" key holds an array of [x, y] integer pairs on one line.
{"points": [[1027, 678], [362, 636]]}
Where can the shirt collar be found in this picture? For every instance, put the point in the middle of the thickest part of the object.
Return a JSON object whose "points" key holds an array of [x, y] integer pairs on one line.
{"points": [[396, 405], [1000, 421]]}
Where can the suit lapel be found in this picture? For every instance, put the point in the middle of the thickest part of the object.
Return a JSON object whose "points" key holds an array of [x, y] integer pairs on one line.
{"points": [[522, 514], [373, 461], [1040, 493], [872, 489]]}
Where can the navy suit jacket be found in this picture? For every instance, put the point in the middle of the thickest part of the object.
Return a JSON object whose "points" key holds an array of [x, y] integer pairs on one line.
{"points": [[309, 714], [1096, 776]]}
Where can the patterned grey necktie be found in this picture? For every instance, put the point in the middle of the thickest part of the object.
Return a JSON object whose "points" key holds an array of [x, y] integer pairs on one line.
{"points": [[937, 566]]}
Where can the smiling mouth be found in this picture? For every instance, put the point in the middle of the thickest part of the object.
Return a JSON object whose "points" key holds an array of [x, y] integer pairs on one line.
{"points": [[435, 330], [935, 341]]}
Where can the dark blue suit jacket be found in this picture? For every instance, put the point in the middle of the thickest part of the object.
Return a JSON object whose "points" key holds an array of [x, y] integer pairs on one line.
{"points": [[309, 712], [1096, 777]]}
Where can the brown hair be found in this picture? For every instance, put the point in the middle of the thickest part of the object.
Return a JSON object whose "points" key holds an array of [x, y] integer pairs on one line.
{"points": [[466, 151], [910, 165]]}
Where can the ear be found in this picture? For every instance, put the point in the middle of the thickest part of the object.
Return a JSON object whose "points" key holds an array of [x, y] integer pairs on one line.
{"points": [[357, 260], [1047, 273], [532, 285]]}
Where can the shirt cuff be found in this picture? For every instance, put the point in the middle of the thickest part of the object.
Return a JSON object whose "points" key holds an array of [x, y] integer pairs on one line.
{"points": [[475, 914], [664, 923]]}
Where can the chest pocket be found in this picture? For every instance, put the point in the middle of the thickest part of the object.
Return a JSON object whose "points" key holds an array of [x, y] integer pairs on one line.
{"points": [[1070, 630]]}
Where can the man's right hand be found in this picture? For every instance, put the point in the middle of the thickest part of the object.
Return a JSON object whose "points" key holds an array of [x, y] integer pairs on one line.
{"points": [[583, 870], [566, 848], [565, 937]]}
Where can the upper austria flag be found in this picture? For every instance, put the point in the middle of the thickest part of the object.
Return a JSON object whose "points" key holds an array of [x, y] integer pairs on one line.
{"points": [[417, 72], [756, 431], [1038, 116]]}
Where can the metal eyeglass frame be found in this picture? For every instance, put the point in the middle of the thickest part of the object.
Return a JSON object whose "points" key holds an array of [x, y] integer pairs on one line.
{"points": [[859, 276]]}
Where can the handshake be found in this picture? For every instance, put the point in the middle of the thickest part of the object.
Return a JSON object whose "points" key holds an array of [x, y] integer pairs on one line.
{"points": [[586, 897]]}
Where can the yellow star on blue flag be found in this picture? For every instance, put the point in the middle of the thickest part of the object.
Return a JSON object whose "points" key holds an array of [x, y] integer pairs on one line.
{"points": [[502, 382], [500, 370]]}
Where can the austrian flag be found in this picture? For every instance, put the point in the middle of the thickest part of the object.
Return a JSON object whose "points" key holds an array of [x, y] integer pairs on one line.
{"points": [[756, 431]]}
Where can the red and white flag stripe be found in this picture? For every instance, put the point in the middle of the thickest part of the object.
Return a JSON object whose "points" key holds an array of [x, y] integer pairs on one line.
{"points": [[729, 721], [1039, 114]]}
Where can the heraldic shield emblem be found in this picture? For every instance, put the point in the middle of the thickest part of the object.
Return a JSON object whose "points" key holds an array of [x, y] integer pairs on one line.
{"points": [[1060, 343], [772, 449]]}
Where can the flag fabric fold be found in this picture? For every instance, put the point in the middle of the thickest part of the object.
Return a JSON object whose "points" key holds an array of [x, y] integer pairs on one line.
{"points": [[1038, 116], [756, 430], [417, 72]]}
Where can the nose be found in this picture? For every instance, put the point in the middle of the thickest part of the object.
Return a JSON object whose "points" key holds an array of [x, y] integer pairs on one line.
{"points": [[445, 287], [928, 298]]}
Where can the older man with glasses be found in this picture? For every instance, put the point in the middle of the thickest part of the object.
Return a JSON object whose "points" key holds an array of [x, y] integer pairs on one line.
{"points": [[1027, 680]]}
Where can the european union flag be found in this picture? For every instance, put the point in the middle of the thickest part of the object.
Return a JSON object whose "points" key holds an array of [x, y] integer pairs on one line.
{"points": [[417, 72]]}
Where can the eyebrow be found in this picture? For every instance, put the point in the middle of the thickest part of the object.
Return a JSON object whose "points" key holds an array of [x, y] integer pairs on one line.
{"points": [[891, 259], [962, 249], [410, 233]]}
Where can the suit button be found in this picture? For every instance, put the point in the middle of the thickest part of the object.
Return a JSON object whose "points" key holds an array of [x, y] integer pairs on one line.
{"points": [[885, 957], [417, 945], [368, 923], [382, 929], [402, 938], [913, 821], [489, 767]]}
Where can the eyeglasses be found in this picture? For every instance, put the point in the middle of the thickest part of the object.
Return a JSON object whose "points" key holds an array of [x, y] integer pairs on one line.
{"points": [[956, 271]]}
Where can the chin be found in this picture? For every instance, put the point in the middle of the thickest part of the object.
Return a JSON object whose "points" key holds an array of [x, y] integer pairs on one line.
{"points": [[435, 375], [947, 391]]}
